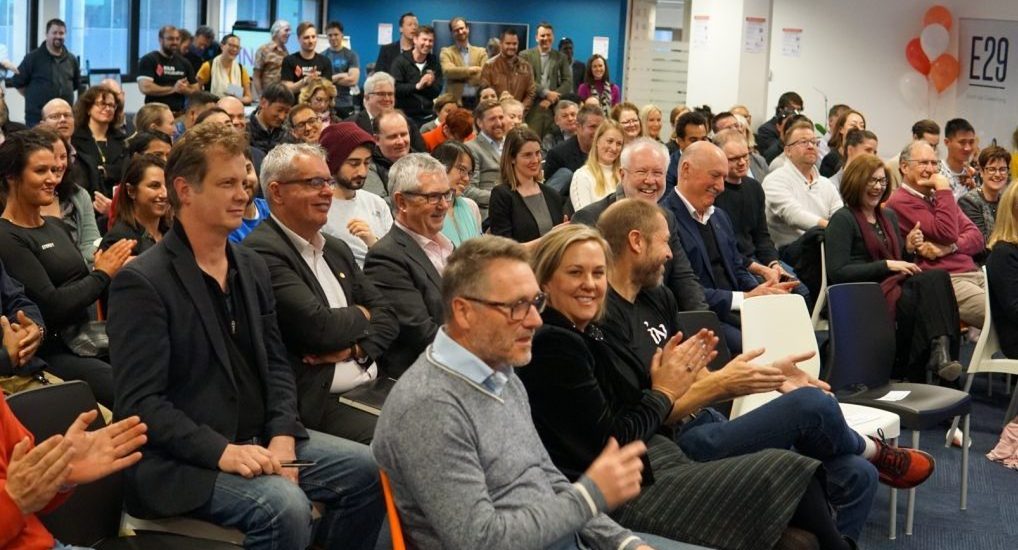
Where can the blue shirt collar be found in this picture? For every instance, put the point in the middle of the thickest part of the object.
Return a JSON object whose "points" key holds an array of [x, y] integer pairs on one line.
{"points": [[451, 355]]}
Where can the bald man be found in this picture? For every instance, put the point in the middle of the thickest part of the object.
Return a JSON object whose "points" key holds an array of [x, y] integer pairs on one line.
{"points": [[235, 108], [58, 115], [708, 238]]}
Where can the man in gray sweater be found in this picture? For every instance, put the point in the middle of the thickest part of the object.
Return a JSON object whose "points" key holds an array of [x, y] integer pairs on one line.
{"points": [[456, 438]]}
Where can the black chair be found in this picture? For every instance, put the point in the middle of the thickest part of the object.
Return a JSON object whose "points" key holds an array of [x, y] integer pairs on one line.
{"points": [[92, 514], [862, 355], [690, 322]]}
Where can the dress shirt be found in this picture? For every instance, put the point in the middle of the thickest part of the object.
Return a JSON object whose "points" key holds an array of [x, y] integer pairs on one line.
{"points": [[737, 296], [451, 355], [437, 249]]}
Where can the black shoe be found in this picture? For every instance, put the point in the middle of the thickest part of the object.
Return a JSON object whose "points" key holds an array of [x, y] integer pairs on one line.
{"points": [[940, 360]]}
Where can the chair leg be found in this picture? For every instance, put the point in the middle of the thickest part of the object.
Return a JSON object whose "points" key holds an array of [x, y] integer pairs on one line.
{"points": [[965, 463], [954, 421], [910, 509], [892, 516]]}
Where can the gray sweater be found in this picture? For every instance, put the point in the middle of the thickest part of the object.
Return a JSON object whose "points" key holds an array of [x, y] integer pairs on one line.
{"points": [[468, 469]]}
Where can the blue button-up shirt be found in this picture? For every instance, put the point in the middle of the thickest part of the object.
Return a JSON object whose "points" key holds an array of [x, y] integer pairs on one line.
{"points": [[457, 358]]}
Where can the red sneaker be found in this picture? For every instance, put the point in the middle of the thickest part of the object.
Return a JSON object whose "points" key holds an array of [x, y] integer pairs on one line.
{"points": [[901, 467]]}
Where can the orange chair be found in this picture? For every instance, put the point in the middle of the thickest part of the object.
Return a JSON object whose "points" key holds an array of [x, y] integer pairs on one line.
{"points": [[395, 529]]}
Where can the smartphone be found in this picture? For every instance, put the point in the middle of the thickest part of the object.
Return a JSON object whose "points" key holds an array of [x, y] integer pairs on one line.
{"points": [[785, 278], [298, 464]]}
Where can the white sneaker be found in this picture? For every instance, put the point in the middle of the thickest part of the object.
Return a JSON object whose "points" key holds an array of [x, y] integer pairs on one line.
{"points": [[954, 437]]}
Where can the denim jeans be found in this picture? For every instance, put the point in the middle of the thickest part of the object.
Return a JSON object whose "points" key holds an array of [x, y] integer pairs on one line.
{"points": [[808, 421], [275, 514], [61, 546], [560, 181]]}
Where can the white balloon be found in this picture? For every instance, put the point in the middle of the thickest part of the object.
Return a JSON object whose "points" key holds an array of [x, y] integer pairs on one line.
{"points": [[914, 89], [934, 39]]}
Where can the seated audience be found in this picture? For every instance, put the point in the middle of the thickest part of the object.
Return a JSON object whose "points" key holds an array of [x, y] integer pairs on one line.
{"points": [[758, 166], [215, 115], [357, 217], [196, 105], [650, 121], [458, 125], [856, 142], [407, 263], [38, 478], [522, 208], [463, 219], [584, 395], [834, 159], [101, 149], [320, 95], [980, 204], [392, 137], [569, 156], [256, 210], [22, 328], [1001, 270], [600, 175], [228, 431], [690, 128], [598, 85], [508, 73], [961, 142], [833, 114], [486, 150], [565, 125], [769, 135], [628, 116], [782, 158], [864, 243], [154, 117], [304, 124], [150, 143], [798, 197], [673, 117], [265, 126], [418, 77], [143, 212], [643, 178], [513, 110], [442, 106], [40, 254], [950, 239], [456, 438], [332, 319], [224, 75], [380, 97], [923, 130], [73, 206], [709, 240]]}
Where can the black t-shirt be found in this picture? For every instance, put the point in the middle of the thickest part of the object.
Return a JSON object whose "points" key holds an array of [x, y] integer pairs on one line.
{"points": [[166, 71], [295, 67], [642, 326]]}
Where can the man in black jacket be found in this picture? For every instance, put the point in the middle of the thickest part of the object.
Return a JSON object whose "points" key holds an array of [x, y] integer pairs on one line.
{"points": [[265, 126], [389, 52], [47, 72], [568, 156], [418, 77], [768, 135], [333, 320]]}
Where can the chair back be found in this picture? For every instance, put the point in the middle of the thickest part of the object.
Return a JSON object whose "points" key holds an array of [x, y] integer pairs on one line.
{"points": [[781, 325], [690, 322], [92, 513], [862, 336], [395, 528], [818, 308]]}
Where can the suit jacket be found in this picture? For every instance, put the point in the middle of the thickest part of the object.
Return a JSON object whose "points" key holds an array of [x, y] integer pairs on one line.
{"points": [[456, 73], [560, 75], [487, 172], [386, 55], [417, 144], [308, 324], [679, 276], [175, 372], [510, 217], [403, 273], [720, 301]]}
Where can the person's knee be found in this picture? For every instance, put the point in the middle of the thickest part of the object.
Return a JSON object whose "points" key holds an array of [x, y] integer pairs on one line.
{"points": [[285, 510], [814, 402]]}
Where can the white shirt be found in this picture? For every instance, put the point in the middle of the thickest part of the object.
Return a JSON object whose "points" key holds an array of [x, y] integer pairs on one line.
{"points": [[794, 205], [365, 206], [581, 190], [346, 375]]}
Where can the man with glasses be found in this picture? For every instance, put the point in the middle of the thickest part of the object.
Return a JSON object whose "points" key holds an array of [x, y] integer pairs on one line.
{"points": [[798, 197], [407, 263], [380, 97], [305, 125], [57, 115], [345, 68], [164, 75], [317, 284], [462, 64], [949, 239], [47, 72]]}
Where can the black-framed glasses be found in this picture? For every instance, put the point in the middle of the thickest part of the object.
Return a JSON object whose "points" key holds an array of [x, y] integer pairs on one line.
{"points": [[305, 124], [518, 310], [877, 183], [432, 198], [806, 142], [314, 183], [738, 159]]}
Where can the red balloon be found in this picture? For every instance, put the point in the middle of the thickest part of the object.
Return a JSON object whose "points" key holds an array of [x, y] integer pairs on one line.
{"points": [[916, 57], [938, 15], [944, 71]]}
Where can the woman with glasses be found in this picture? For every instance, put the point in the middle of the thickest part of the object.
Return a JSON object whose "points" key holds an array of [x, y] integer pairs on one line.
{"points": [[304, 123], [628, 116], [143, 210], [602, 172], [320, 94], [463, 219], [521, 207], [834, 160], [100, 146], [224, 75], [980, 204], [863, 244], [73, 205]]}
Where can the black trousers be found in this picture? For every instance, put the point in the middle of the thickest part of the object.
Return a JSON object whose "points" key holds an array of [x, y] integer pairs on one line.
{"points": [[926, 310]]}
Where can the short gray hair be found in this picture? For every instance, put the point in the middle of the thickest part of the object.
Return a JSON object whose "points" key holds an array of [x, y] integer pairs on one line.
{"points": [[277, 27], [729, 135], [278, 164], [465, 272], [564, 104], [406, 172], [376, 78], [640, 144], [906, 153]]}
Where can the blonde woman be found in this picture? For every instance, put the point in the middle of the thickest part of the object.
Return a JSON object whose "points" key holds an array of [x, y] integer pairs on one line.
{"points": [[602, 172], [652, 121], [320, 95]]}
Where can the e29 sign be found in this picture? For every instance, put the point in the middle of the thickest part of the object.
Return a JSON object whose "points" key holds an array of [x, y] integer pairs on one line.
{"points": [[989, 58]]}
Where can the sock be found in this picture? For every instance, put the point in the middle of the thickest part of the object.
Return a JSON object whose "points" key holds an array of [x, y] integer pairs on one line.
{"points": [[869, 452]]}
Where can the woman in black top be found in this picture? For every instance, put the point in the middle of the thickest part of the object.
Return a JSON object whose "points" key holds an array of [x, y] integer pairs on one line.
{"points": [[40, 254], [73, 204], [521, 207], [1002, 270], [863, 243], [101, 147], [142, 207], [833, 161]]}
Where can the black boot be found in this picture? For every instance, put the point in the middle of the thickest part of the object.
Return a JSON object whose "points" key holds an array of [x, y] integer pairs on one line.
{"points": [[940, 360]]}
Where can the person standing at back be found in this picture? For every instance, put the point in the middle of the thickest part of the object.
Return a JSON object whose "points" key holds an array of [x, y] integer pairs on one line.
{"points": [[345, 68], [269, 57], [47, 72], [164, 75], [302, 67], [462, 64]]}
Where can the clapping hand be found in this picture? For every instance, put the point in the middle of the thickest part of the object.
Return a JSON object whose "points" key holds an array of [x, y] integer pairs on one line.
{"points": [[795, 377]]}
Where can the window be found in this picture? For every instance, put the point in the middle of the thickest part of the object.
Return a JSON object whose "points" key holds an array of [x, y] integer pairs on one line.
{"points": [[107, 22], [157, 13], [13, 31], [232, 11]]}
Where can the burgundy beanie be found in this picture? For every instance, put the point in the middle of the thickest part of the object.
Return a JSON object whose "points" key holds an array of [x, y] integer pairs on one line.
{"points": [[340, 139]]}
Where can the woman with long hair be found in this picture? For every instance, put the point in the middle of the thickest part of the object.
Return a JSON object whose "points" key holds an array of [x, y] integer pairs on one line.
{"points": [[602, 172], [1002, 270], [521, 207], [651, 120], [862, 244], [101, 147], [73, 206], [143, 210], [597, 84], [463, 218], [833, 161]]}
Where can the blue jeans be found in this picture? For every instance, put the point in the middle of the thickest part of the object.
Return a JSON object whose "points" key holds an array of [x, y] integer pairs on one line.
{"points": [[275, 514], [62, 546], [807, 420], [560, 181]]}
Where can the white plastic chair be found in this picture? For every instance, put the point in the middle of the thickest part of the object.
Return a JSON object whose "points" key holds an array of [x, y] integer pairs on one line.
{"points": [[818, 308]]}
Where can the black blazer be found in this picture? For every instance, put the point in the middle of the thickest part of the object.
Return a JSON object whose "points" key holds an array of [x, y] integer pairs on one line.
{"points": [[417, 144], [401, 270], [1001, 270], [172, 368], [89, 158], [308, 324], [509, 216], [848, 261], [582, 392]]}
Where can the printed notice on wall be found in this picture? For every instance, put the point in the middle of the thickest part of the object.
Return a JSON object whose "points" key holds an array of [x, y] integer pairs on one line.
{"points": [[384, 34], [791, 42], [601, 46], [701, 31], [754, 35]]}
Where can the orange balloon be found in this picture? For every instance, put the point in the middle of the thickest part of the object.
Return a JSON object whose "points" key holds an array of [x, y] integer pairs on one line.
{"points": [[938, 15], [915, 56], [944, 71]]}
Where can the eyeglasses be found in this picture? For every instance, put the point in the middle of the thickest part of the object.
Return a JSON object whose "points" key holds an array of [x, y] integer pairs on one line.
{"points": [[996, 170], [926, 163], [738, 159], [314, 183], [878, 183], [384, 94], [304, 124], [644, 174], [105, 105], [59, 116], [462, 169], [518, 310], [634, 122], [432, 198], [807, 142]]}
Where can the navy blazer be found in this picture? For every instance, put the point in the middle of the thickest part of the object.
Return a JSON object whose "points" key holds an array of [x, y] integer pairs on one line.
{"points": [[720, 301], [172, 368]]}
